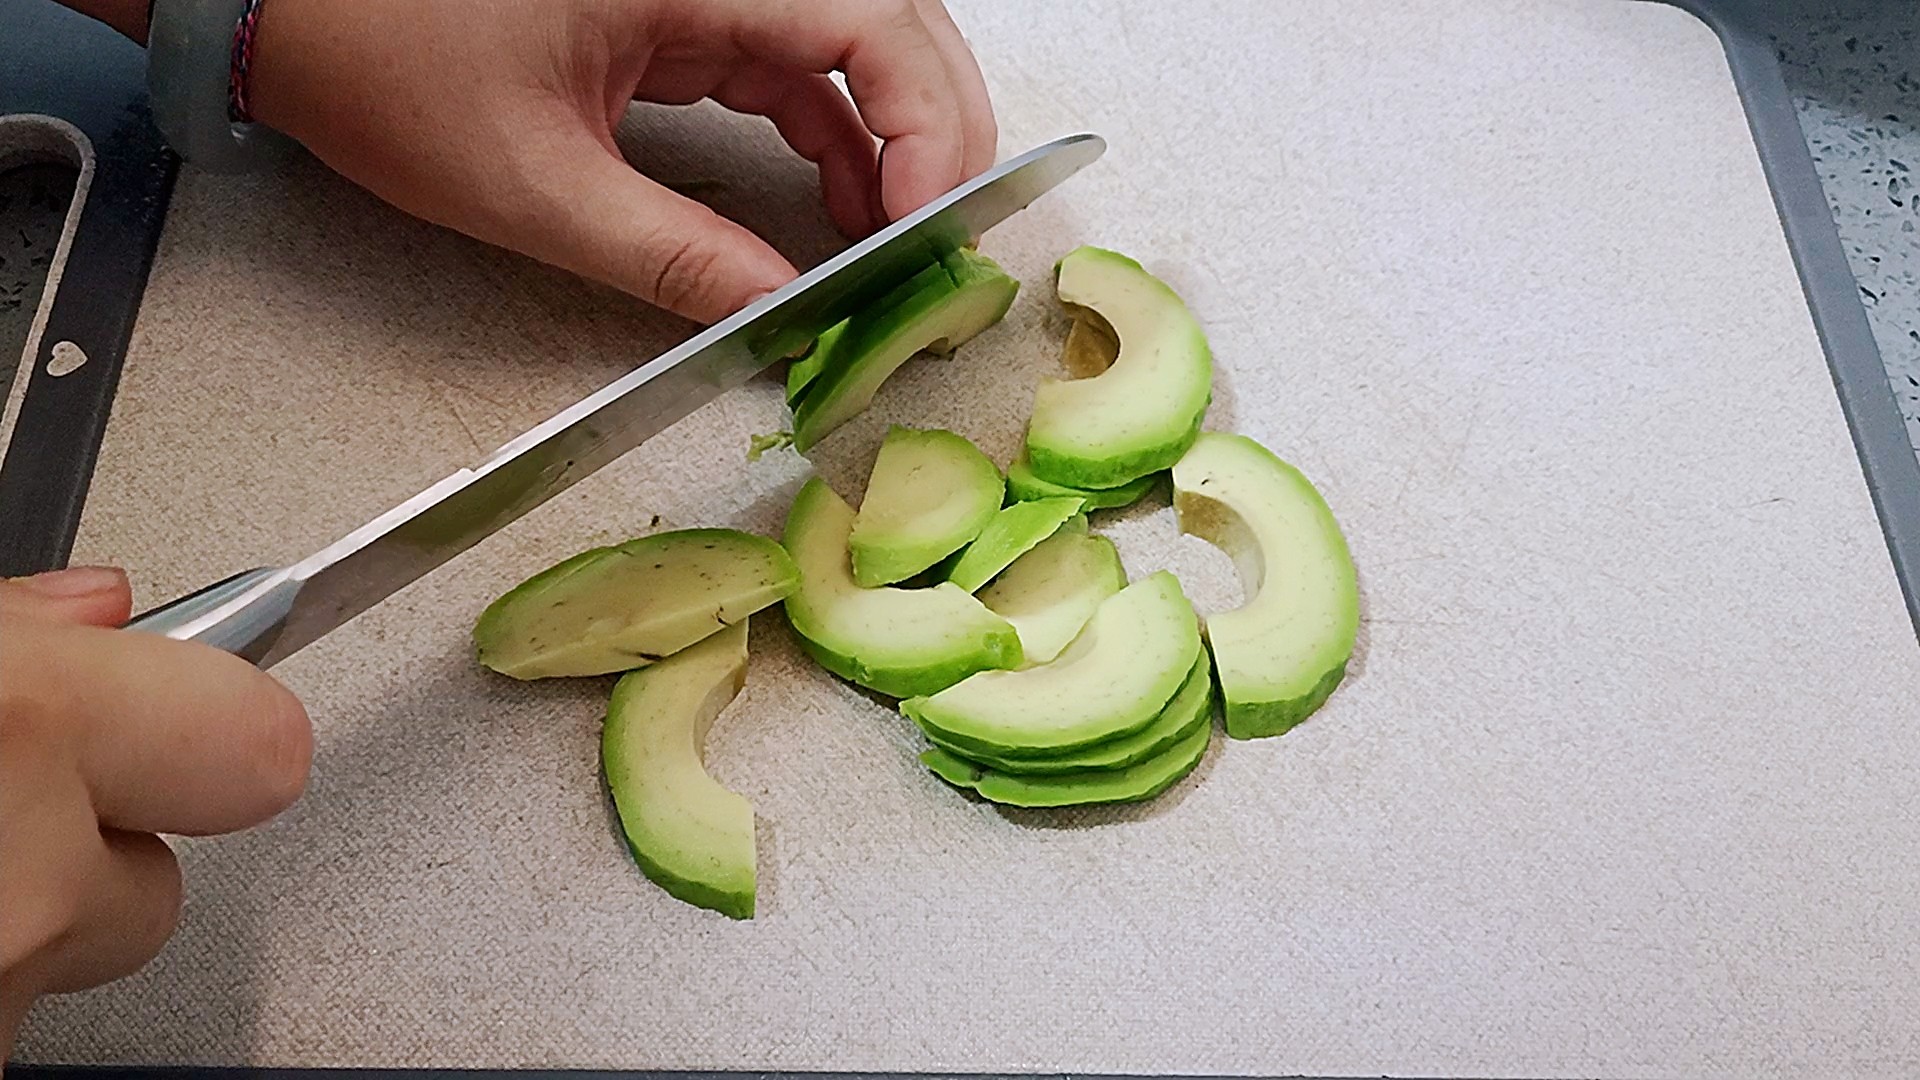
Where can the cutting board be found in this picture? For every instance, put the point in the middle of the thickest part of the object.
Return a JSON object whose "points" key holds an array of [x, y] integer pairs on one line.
{"points": [[1622, 780]]}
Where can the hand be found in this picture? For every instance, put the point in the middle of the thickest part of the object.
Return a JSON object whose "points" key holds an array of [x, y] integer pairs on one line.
{"points": [[108, 737], [496, 118]]}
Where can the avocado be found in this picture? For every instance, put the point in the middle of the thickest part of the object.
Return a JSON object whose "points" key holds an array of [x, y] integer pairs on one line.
{"points": [[898, 642], [1116, 676], [931, 493], [1192, 705], [1138, 782], [1049, 593], [621, 607], [1281, 653], [1010, 534], [1140, 414], [802, 372], [1024, 486], [689, 835], [940, 309]]}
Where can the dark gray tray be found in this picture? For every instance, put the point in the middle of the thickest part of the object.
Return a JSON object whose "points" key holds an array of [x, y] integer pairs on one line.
{"points": [[50, 462]]}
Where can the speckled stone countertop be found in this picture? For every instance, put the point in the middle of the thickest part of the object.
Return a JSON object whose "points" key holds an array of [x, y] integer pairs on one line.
{"points": [[1854, 70]]}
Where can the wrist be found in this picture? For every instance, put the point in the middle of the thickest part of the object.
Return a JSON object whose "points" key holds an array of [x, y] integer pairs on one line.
{"points": [[198, 55]]}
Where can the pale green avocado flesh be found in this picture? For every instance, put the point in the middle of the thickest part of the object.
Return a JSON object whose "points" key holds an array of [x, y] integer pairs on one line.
{"points": [[1192, 705], [689, 834], [1024, 486], [1139, 415], [1049, 593], [1284, 650], [1113, 679], [898, 642], [930, 494], [1138, 782], [622, 607], [802, 372], [941, 309], [1011, 533]]}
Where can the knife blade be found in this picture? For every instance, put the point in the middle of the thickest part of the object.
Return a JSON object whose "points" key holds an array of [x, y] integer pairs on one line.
{"points": [[267, 614]]}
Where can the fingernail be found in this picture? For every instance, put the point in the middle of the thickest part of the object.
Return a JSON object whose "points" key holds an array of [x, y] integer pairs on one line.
{"points": [[71, 582]]}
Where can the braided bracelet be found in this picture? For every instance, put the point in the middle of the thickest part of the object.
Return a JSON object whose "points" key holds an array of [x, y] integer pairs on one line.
{"points": [[199, 54]]}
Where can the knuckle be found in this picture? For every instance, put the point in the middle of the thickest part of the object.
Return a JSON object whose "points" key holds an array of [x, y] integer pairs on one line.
{"points": [[684, 275]]}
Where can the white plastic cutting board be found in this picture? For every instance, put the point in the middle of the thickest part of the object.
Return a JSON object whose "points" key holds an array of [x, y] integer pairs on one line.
{"points": [[1623, 781]]}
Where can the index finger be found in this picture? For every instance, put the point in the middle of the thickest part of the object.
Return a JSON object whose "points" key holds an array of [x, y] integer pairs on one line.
{"points": [[901, 85], [169, 736]]}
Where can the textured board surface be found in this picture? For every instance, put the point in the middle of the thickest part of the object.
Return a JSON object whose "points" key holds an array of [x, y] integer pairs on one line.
{"points": [[1621, 783]]}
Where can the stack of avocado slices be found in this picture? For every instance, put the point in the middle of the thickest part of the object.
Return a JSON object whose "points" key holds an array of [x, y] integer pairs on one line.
{"points": [[981, 600]]}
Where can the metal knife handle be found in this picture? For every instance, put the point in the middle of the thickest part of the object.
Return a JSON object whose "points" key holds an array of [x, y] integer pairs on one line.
{"points": [[242, 614]]}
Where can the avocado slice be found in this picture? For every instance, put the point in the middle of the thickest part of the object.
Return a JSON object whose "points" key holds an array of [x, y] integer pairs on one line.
{"points": [[1024, 486], [689, 835], [802, 372], [898, 642], [625, 606], [931, 493], [1139, 415], [1116, 676], [1011, 533], [1284, 650], [1192, 705], [1138, 782], [938, 310], [1049, 593]]}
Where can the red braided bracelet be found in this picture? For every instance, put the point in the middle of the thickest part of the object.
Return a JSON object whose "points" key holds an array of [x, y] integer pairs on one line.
{"points": [[239, 109]]}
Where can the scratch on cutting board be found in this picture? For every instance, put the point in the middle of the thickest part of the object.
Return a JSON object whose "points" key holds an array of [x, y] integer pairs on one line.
{"points": [[440, 395]]}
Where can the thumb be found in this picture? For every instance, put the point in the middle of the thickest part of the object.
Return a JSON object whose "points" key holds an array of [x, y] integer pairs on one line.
{"points": [[91, 595], [622, 229]]}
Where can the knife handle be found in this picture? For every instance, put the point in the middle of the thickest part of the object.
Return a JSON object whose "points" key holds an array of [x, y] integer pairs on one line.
{"points": [[242, 614]]}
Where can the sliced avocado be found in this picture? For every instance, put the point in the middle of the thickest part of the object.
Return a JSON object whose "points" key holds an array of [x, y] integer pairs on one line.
{"points": [[1010, 534], [1024, 486], [1281, 653], [1138, 782], [802, 372], [1116, 676], [898, 642], [1049, 593], [940, 309], [1192, 705], [625, 606], [931, 493], [1139, 415], [691, 836]]}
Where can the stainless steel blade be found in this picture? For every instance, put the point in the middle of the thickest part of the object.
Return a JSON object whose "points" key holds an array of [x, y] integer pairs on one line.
{"points": [[266, 615]]}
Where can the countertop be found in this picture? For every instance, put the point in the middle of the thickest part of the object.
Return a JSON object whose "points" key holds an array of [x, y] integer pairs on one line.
{"points": [[1854, 69]]}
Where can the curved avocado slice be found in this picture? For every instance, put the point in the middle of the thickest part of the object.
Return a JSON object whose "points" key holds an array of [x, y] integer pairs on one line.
{"points": [[1116, 676], [1139, 415], [1192, 705], [622, 607], [1011, 533], [1138, 782], [1024, 486], [898, 642], [690, 835], [940, 309], [1049, 593], [931, 493], [1284, 650]]}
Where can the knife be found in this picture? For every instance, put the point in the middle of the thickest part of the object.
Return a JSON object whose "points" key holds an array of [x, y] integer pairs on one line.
{"points": [[267, 614]]}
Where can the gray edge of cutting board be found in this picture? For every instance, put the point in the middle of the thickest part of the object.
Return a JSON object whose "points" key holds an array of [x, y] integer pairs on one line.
{"points": [[1892, 471]]}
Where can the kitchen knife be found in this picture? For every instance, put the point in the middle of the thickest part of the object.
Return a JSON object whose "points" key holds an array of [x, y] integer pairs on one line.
{"points": [[267, 614]]}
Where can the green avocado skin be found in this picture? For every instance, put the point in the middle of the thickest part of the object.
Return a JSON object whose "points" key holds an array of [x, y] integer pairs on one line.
{"points": [[998, 651], [1134, 783], [1023, 485], [734, 905], [1072, 471], [1263, 719]]}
